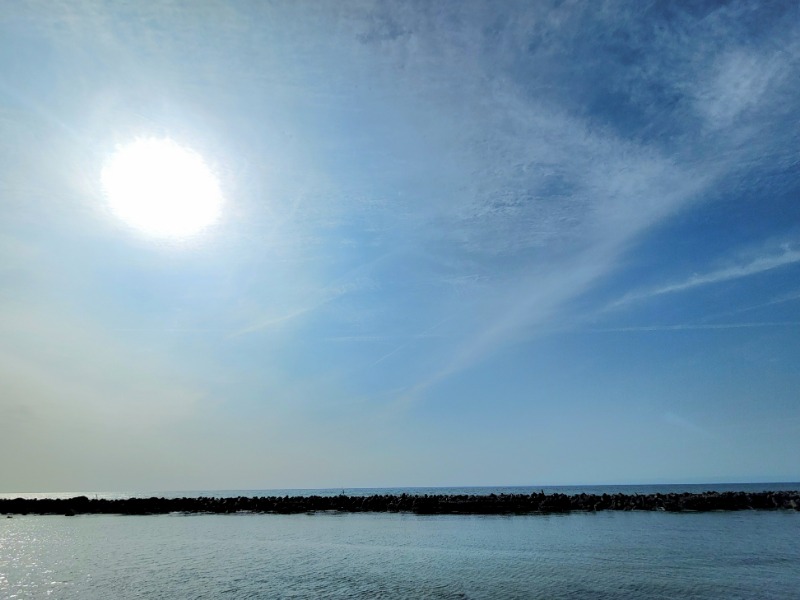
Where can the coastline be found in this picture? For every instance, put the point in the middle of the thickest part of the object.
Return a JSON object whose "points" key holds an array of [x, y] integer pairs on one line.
{"points": [[439, 504]]}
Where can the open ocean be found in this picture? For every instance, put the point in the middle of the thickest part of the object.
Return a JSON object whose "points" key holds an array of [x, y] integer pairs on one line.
{"points": [[749, 554]]}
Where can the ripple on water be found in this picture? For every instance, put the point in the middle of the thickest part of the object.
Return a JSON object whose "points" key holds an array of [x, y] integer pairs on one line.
{"points": [[604, 555]]}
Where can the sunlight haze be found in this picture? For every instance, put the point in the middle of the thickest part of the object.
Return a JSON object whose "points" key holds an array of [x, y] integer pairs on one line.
{"points": [[253, 245]]}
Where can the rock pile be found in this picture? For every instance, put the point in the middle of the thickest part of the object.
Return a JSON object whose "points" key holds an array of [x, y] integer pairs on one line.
{"points": [[491, 504]]}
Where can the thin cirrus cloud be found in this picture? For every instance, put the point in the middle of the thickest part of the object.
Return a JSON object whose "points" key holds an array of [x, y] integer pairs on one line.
{"points": [[580, 197], [412, 190], [739, 82], [697, 327], [755, 266]]}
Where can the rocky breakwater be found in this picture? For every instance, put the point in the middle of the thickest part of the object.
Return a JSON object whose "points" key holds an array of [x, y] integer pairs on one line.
{"points": [[539, 503]]}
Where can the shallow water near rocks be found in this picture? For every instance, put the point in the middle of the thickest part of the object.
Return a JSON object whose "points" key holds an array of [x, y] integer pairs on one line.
{"points": [[367, 555]]}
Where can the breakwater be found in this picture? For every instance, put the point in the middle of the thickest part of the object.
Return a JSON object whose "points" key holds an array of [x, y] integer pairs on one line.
{"points": [[492, 504]]}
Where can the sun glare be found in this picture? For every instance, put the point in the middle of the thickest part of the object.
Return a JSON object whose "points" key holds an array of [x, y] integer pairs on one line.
{"points": [[161, 188]]}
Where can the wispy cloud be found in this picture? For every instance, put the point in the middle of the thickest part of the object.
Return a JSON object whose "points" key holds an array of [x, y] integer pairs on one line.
{"points": [[273, 321], [556, 197], [755, 266], [739, 80], [687, 425], [694, 327], [782, 299], [419, 186], [313, 300], [424, 334], [378, 338]]}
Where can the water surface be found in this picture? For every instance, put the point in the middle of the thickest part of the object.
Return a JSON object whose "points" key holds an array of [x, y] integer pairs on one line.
{"points": [[372, 555]]}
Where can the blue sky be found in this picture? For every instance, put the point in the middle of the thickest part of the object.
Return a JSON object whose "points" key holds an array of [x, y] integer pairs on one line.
{"points": [[461, 244]]}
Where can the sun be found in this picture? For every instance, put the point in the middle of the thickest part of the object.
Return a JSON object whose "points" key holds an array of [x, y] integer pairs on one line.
{"points": [[161, 188]]}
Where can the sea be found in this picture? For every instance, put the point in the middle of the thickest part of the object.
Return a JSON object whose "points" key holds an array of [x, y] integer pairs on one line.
{"points": [[609, 555]]}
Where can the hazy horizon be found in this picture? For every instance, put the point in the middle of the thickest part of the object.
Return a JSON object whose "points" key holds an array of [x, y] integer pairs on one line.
{"points": [[553, 488], [416, 244]]}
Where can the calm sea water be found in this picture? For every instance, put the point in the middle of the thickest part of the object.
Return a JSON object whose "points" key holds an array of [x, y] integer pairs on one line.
{"points": [[367, 555]]}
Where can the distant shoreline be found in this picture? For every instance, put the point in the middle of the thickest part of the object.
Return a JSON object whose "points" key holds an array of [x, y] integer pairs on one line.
{"points": [[434, 504]]}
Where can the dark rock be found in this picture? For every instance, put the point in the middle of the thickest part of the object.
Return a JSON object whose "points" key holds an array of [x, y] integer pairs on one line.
{"points": [[424, 504]]}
